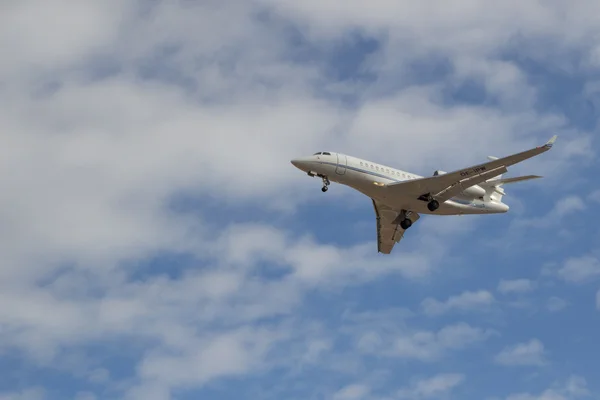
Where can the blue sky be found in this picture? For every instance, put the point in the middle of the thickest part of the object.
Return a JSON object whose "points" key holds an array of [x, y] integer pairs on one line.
{"points": [[157, 244]]}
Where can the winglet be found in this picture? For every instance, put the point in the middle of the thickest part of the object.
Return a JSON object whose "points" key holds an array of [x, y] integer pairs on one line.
{"points": [[550, 142]]}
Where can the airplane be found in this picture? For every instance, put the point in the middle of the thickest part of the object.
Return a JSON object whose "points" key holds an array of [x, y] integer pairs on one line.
{"points": [[399, 197]]}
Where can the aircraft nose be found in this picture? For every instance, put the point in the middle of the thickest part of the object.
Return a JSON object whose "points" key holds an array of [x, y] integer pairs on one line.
{"points": [[300, 163]]}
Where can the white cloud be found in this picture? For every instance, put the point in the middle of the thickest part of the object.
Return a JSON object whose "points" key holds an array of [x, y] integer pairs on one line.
{"points": [[546, 395], [150, 391], [228, 354], [429, 346], [563, 208], [26, 394], [595, 195], [568, 205], [555, 304], [392, 334], [470, 28], [481, 299], [435, 387], [352, 392], [575, 387], [225, 298], [97, 26], [85, 396], [529, 353], [580, 269], [515, 286]]}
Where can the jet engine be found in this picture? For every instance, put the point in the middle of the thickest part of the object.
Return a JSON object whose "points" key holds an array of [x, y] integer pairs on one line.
{"points": [[474, 191]]}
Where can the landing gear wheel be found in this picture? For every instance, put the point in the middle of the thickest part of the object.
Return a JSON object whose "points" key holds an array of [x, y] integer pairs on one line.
{"points": [[405, 223], [433, 205], [325, 184]]}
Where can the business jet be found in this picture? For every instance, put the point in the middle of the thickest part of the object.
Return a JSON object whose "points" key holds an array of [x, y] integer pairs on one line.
{"points": [[399, 197]]}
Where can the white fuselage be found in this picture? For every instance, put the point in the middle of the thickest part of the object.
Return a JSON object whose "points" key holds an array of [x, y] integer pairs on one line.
{"points": [[370, 179]]}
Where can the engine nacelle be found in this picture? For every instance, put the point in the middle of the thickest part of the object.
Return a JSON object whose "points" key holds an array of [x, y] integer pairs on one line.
{"points": [[470, 192], [474, 191]]}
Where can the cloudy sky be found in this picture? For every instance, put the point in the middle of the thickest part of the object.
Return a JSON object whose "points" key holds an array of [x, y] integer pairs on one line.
{"points": [[157, 244]]}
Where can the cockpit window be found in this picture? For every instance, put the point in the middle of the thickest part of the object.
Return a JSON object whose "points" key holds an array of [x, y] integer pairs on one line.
{"points": [[326, 153], [316, 154]]}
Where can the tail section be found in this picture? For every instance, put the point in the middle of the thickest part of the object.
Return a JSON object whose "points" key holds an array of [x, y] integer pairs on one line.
{"points": [[493, 187]]}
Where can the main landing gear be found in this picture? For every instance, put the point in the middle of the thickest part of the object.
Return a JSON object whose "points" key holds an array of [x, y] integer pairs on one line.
{"points": [[433, 205], [405, 221]]}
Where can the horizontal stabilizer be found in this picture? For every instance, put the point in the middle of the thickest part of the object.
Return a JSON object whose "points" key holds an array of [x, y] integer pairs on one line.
{"points": [[503, 181]]}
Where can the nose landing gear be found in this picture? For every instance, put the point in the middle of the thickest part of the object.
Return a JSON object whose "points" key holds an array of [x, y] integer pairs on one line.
{"points": [[326, 183]]}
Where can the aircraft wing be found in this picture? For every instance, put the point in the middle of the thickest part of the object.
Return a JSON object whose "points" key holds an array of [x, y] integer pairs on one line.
{"points": [[445, 186], [389, 231]]}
